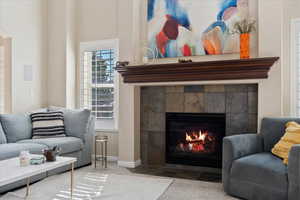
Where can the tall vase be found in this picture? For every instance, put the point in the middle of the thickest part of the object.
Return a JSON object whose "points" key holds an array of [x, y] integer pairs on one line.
{"points": [[245, 46]]}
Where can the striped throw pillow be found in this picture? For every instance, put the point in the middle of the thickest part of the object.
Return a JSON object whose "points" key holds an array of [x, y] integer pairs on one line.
{"points": [[47, 125]]}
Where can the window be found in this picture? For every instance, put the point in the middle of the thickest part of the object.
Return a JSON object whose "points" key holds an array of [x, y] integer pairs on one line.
{"points": [[98, 81]]}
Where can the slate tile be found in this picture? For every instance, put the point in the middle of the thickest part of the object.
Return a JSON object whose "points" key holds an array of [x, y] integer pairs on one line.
{"points": [[156, 148], [236, 102], [252, 102], [174, 89], [236, 88], [214, 102], [253, 88], [174, 102], [252, 123], [194, 102], [228, 124], [239, 123], [156, 121], [214, 88], [193, 89]]}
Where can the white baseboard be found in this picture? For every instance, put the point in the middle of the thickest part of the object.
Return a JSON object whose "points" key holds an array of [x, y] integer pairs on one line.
{"points": [[112, 158], [128, 164]]}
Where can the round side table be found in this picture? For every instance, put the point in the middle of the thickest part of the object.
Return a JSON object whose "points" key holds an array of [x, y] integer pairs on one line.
{"points": [[102, 140]]}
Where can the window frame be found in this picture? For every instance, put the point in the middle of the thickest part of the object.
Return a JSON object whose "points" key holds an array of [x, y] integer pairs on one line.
{"points": [[109, 124]]}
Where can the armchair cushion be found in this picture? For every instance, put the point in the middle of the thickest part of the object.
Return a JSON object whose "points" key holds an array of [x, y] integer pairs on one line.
{"points": [[259, 175], [272, 129]]}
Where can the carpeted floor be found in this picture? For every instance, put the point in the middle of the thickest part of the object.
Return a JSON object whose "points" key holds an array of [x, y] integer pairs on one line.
{"points": [[124, 184]]}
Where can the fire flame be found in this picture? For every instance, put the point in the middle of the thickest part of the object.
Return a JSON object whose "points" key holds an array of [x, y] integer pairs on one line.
{"points": [[195, 137], [200, 141]]}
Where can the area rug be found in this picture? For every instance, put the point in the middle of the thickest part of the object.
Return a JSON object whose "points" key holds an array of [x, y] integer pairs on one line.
{"points": [[94, 186]]}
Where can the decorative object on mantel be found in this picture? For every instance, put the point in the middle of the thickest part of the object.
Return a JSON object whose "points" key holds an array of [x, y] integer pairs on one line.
{"points": [[122, 63], [253, 68], [185, 60], [149, 56], [190, 28], [244, 27]]}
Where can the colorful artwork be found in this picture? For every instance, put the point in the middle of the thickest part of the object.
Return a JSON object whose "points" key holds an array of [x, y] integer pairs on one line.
{"points": [[193, 27]]}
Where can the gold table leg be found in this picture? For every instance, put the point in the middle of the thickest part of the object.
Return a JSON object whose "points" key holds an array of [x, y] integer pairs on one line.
{"points": [[72, 179], [95, 153], [27, 188], [102, 154], [105, 153]]}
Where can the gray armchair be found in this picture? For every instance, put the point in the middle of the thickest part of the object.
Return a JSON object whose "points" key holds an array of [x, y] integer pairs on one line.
{"points": [[250, 171]]}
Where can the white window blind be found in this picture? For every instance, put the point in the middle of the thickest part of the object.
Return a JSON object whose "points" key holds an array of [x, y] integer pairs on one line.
{"points": [[98, 84], [98, 88]]}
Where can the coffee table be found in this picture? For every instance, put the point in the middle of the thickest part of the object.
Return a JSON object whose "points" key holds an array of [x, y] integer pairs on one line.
{"points": [[10, 171]]}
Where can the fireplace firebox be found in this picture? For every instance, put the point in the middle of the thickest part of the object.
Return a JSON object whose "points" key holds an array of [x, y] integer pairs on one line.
{"points": [[195, 139]]}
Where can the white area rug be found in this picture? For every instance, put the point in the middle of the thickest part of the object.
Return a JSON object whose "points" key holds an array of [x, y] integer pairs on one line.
{"points": [[94, 186]]}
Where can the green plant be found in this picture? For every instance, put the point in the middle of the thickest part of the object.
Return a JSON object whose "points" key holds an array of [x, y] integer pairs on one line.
{"points": [[244, 26]]}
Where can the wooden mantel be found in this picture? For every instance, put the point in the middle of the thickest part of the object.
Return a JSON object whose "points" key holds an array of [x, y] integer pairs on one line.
{"points": [[254, 68]]}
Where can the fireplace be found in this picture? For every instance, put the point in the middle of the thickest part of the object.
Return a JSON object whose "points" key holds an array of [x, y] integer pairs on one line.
{"points": [[195, 139]]}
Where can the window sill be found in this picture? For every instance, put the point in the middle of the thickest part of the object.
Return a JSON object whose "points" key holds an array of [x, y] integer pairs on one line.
{"points": [[113, 131]]}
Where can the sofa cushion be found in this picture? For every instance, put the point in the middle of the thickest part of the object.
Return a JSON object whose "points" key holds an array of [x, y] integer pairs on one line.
{"points": [[67, 144], [47, 124], [16, 126], [272, 129], [76, 121], [262, 170], [13, 149], [3, 139]]}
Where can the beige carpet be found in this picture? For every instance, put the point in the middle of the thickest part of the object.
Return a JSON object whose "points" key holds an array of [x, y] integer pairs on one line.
{"points": [[117, 183], [90, 186]]}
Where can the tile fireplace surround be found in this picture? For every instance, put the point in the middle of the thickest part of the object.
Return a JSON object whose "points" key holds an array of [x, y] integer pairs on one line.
{"points": [[238, 102]]}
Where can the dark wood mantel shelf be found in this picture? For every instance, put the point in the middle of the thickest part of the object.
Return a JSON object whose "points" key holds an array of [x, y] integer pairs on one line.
{"points": [[254, 68]]}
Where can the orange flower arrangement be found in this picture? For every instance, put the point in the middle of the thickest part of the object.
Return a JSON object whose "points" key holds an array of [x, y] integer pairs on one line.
{"points": [[244, 28]]}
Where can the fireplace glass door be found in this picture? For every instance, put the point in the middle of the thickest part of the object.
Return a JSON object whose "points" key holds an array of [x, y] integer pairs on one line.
{"points": [[195, 139]]}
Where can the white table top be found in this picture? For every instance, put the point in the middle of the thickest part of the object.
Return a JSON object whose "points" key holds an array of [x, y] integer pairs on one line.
{"points": [[11, 171]]}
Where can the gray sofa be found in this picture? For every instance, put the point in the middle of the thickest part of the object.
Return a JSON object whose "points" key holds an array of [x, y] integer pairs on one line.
{"points": [[15, 136], [250, 171]]}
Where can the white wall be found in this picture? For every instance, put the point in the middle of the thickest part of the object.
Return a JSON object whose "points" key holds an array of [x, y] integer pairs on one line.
{"points": [[98, 20], [290, 11], [270, 44], [62, 45], [71, 52], [26, 23]]}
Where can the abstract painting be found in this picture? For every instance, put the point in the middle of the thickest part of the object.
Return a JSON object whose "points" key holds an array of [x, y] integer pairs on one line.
{"points": [[193, 27]]}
